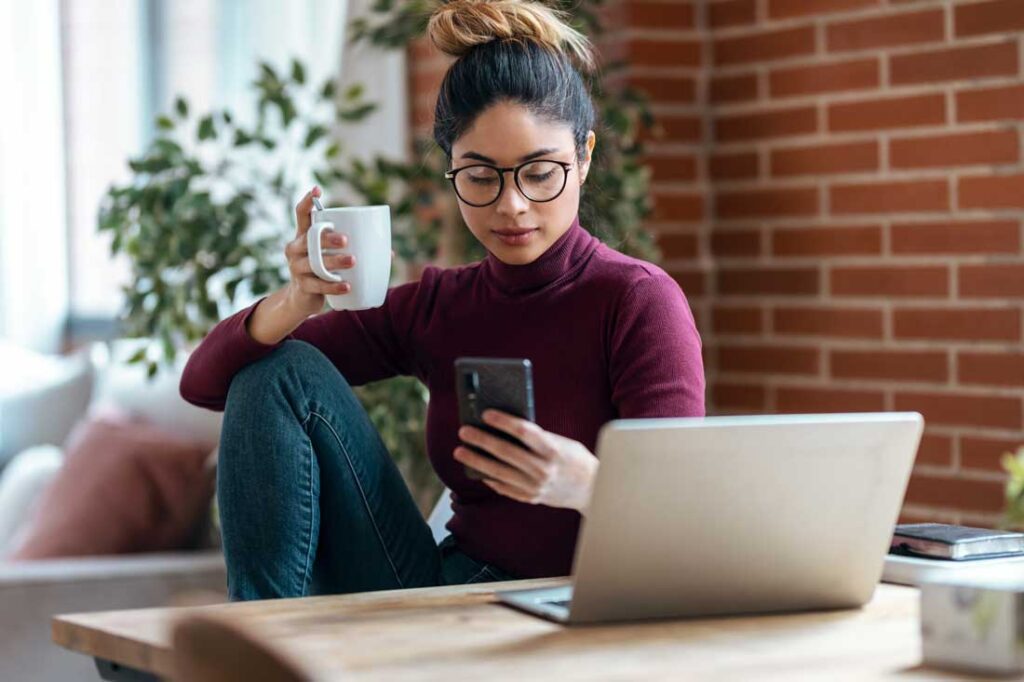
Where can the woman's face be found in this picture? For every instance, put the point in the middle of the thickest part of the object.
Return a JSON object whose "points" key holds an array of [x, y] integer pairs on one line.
{"points": [[504, 135]]}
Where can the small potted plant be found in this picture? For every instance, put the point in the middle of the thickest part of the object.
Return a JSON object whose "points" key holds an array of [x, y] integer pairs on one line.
{"points": [[1013, 463]]}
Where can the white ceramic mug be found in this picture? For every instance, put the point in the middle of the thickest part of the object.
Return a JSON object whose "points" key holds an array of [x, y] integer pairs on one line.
{"points": [[368, 229]]}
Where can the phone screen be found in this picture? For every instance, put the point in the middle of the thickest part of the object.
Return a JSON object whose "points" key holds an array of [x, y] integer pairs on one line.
{"points": [[504, 384]]}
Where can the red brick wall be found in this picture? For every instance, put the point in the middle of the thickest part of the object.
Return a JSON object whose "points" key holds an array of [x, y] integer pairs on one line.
{"points": [[839, 190]]}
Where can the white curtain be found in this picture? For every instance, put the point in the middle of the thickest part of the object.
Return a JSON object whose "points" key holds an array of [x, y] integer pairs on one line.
{"points": [[33, 226], [107, 119], [251, 31]]}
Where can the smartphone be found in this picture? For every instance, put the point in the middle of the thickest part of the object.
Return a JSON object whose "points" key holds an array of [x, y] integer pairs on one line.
{"points": [[504, 384]]}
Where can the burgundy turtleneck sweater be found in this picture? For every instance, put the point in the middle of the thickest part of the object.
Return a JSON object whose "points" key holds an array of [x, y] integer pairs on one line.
{"points": [[609, 336]]}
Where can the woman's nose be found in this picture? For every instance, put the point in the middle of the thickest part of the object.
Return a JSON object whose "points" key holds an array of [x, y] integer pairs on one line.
{"points": [[512, 201]]}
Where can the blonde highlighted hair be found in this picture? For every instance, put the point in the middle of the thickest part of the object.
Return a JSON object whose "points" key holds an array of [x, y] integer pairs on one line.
{"points": [[458, 26]]}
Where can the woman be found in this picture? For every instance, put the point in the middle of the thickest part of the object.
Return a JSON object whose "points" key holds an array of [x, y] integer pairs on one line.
{"points": [[310, 500]]}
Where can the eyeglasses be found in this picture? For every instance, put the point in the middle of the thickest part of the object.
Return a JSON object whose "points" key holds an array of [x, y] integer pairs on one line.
{"points": [[481, 184]]}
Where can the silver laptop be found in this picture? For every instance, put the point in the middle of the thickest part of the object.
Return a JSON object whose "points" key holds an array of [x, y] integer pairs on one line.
{"points": [[728, 515]]}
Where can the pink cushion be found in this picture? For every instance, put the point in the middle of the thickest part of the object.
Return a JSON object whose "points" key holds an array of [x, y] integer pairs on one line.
{"points": [[125, 486]]}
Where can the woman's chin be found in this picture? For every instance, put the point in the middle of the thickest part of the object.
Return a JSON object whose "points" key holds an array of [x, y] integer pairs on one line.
{"points": [[515, 255]]}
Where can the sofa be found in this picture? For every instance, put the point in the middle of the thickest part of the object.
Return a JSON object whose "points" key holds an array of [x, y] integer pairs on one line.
{"points": [[41, 399], [39, 404]]}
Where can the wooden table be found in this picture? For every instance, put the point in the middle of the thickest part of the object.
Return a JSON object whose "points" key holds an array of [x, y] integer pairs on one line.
{"points": [[458, 632]]}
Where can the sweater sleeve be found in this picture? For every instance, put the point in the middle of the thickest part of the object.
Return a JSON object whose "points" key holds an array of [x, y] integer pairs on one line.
{"points": [[365, 345], [655, 353]]}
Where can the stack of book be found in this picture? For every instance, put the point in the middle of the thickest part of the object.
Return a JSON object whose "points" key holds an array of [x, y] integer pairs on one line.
{"points": [[932, 551], [972, 594]]}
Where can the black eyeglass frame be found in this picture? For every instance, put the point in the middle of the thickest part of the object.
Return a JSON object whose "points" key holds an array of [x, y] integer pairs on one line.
{"points": [[450, 175]]}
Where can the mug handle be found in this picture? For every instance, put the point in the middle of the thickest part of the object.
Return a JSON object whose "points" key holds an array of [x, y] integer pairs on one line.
{"points": [[316, 256]]}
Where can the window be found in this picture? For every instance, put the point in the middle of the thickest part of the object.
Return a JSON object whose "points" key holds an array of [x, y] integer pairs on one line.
{"points": [[124, 61]]}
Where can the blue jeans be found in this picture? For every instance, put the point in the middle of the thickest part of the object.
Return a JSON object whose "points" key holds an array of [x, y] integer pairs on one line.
{"points": [[310, 500]]}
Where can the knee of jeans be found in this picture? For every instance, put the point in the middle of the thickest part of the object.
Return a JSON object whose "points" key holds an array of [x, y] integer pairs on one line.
{"points": [[292, 358]]}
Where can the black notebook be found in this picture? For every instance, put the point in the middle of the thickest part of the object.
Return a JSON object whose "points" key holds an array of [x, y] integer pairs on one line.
{"points": [[945, 541]]}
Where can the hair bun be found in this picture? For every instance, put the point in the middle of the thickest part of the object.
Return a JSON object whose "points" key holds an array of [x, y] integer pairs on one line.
{"points": [[460, 25]]}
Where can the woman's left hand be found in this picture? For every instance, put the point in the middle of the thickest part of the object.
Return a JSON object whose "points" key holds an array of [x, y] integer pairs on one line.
{"points": [[555, 470]]}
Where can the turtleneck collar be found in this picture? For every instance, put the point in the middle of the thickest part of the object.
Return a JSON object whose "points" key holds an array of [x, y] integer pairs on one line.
{"points": [[563, 256]]}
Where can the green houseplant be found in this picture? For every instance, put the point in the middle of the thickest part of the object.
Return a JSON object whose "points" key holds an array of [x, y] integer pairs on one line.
{"points": [[207, 212], [201, 219]]}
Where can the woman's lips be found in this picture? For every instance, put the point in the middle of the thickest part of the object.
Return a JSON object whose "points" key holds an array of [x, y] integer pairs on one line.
{"points": [[515, 237]]}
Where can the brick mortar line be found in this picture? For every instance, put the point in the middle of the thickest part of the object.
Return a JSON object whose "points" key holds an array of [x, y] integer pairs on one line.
{"points": [[950, 515], [968, 128], [948, 27], [946, 304], [863, 344], [979, 475], [897, 91], [727, 70], [903, 175], [842, 344], [827, 138], [973, 215], [769, 25], [813, 179], [956, 432], [817, 381], [761, 12], [823, 338], [889, 322], [988, 433], [630, 33], [846, 96], [651, 70], [885, 162], [668, 151], [883, 51], [687, 109]]}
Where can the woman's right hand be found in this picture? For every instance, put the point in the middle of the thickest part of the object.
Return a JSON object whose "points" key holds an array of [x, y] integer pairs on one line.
{"points": [[306, 291]]}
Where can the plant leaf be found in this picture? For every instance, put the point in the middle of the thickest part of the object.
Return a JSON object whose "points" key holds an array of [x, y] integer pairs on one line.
{"points": [[354, 92], [298, 72], [315, 133], [206, 130]]}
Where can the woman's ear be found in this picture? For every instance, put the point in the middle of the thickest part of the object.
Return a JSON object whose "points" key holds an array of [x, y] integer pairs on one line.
{"points": [[585, 164]]}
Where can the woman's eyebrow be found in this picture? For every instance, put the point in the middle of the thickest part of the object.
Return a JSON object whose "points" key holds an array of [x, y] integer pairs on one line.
{"points": [[531, 155]]}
